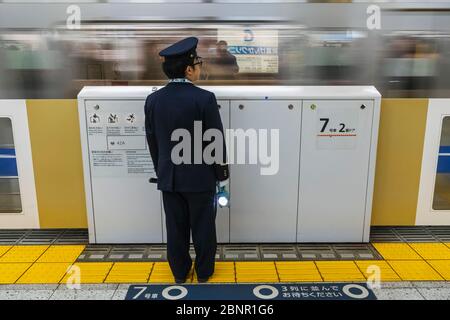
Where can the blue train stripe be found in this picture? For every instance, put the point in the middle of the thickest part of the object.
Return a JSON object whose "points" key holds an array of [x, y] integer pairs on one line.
{"points": [[444, 149], [443, 164], [8, 167], [8, 151]]}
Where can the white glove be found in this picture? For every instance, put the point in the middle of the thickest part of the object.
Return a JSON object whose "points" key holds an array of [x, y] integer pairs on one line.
{"points": [[223, 183]]}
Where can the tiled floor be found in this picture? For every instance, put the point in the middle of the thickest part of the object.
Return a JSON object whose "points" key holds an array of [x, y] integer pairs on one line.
{"points": [[407, 269], [32, 264], [387, 291]]}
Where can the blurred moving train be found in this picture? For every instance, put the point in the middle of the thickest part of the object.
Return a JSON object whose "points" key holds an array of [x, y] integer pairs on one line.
{"points": [[405, 59], [45, 62]]}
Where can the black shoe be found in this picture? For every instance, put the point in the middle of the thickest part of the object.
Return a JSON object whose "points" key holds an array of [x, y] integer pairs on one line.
{"points": [[180, 281], [203, 280]]}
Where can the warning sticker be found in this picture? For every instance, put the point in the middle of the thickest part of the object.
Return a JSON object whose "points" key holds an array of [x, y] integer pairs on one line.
{"points": [[106, 159], [117, 144]]}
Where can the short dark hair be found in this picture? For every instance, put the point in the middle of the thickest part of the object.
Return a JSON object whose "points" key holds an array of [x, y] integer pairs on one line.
{"points": [[176, 68]]}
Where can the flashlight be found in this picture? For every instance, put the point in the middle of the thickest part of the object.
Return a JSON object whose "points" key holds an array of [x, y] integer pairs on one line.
{"points": [[223, 197]]}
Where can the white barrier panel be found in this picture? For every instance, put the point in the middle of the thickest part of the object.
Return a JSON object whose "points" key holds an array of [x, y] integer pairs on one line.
{"points": [[312, 180]]}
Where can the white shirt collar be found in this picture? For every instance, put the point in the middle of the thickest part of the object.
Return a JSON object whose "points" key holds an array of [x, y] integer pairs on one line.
{"points": [[180, 80]]}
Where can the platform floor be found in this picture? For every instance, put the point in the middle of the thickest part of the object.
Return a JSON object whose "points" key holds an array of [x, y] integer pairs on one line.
{"points": [[413, 263], [404, 290]]}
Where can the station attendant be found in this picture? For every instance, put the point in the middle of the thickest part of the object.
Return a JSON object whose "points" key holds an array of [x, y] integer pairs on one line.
{"points": [[188, 188]]}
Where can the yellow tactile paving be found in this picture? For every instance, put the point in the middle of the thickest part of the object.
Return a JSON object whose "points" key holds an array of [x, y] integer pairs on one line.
{"points": [[404, 262], [4, 249], [44, 273], [223, 273], [298, 271], [339, 271], [10, 272], [130, 272], [432, 251], [256, 272], [414, 270], [396, 251], [88, 272], [62, 253], [386, 272], [161, 273], [442, 267], [24, 253]]}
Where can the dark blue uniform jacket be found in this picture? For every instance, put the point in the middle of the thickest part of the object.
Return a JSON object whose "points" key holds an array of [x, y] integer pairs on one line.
{"points": [[178, 105]]}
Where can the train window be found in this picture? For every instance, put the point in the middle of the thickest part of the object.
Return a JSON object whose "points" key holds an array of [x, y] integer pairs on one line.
{"points": [[9, 181], [233, 54], [441, 198]]}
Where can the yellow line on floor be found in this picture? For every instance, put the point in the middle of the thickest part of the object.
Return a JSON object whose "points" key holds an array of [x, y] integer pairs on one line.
{"points": [[4, 249]]}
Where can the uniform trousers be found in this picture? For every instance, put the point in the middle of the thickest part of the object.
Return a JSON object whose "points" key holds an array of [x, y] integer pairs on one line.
{"points": [[186, 211]]}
